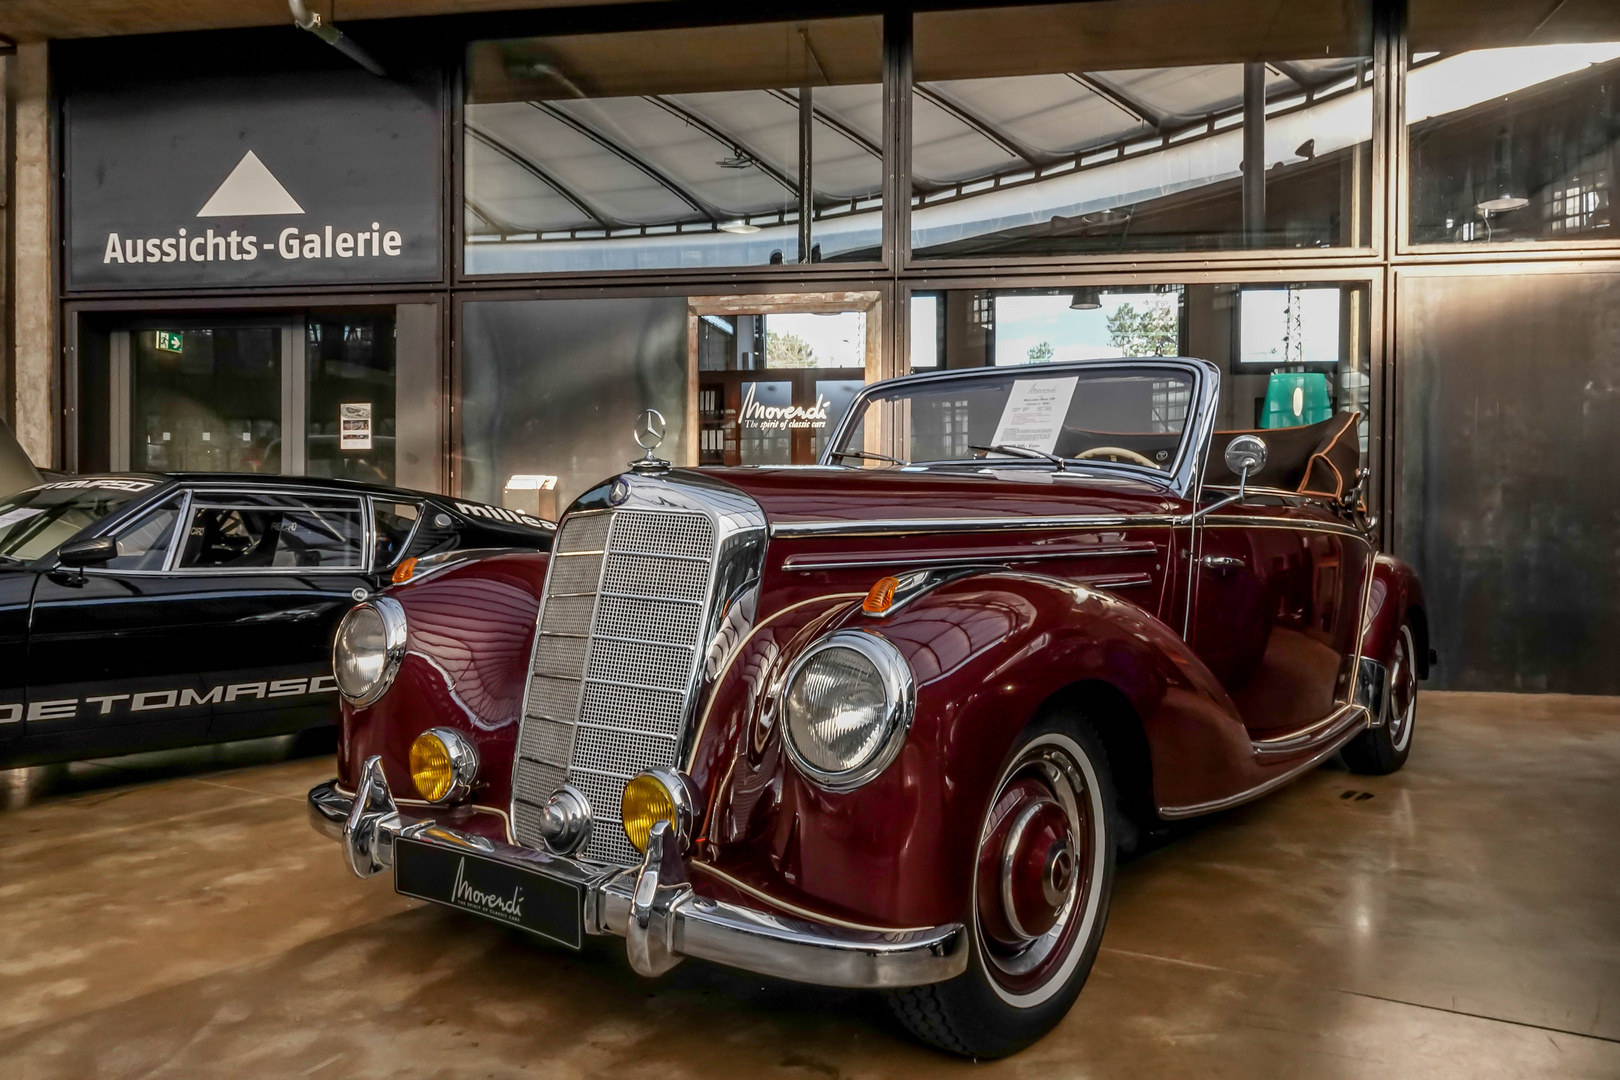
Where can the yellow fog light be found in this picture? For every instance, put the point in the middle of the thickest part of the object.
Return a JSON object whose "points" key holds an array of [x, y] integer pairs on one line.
{"points": [[443, 765], [659, 795]]}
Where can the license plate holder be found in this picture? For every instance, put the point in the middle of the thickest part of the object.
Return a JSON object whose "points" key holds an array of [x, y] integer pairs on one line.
{"points": [[510, 895]]}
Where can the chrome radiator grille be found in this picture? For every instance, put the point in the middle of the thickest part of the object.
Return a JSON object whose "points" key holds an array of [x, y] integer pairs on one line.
{"points": [[626, 602]]}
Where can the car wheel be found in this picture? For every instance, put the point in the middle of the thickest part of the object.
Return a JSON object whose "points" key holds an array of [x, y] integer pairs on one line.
{"points": [[1042, 879], [1382, 750]]}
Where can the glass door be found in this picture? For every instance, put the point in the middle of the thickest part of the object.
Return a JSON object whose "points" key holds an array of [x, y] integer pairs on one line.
{"points": [[206, 399], [302, 395], [776, 373]]}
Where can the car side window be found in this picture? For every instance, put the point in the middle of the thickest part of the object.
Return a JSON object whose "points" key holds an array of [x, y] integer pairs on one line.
{"points": [[144, 543], [274, 532], [393, 522]]}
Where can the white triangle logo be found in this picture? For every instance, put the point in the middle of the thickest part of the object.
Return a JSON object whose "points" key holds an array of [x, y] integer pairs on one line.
{"points": [[250, 191]]}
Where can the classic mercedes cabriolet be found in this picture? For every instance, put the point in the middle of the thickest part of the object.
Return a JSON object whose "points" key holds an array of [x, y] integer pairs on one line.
{"points": [[884, 722]]}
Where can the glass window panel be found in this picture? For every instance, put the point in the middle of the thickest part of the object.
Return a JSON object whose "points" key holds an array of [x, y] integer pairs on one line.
{"points": [[1119, 125], [1141, 415], [765, 437], [1290, 354], [393, 523], [552, 388], [350, 425], [1512, 121], [1032, 327], [34, 522], [833, 397], [272, 533], [804, 339], [144, 544], [206, 399], [1505, 498], [925, 314], [618, 152]]}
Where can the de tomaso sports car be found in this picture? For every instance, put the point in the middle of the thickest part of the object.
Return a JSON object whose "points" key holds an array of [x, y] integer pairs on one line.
{"points": [[145, 611]]}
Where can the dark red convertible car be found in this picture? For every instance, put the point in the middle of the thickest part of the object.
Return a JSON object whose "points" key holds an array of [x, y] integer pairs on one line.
{"points": [[884, 722]]}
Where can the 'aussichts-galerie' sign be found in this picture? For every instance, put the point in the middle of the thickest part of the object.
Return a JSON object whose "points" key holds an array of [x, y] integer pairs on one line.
{"points": [[209, 246], [324, 175], [251, 190]]}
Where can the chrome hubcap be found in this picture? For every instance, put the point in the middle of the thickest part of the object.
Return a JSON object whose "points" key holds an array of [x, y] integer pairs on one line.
{"points": [[1402, 690], [1034, 880]]}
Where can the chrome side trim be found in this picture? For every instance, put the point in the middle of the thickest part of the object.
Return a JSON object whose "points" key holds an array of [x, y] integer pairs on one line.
{"points": [[798, 912], [1325, 729], [805, 564], [907, 526], [1239, 521], [671, 919], [1125, 581], [1173, 813]]}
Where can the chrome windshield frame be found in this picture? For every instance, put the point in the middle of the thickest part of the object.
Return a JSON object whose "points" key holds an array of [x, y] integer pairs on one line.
{"points": [[1181, 478]]}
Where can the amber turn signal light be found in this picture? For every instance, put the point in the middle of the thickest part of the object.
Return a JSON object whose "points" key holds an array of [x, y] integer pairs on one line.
{"points": [[430, 767], [880, 596], [444, 765], [403, 572], [654, 796], [646, 802]]}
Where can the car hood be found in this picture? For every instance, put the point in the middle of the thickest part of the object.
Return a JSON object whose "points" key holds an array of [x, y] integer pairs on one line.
{"points": [[828, 496]]}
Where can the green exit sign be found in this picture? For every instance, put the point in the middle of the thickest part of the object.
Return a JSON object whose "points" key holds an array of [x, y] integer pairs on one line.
{"points": [[170, 341]]}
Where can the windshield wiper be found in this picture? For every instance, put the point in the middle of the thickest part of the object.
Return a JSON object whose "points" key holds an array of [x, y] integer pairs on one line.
{"points": [[12, 559], [870, 455], [1025, 452]]}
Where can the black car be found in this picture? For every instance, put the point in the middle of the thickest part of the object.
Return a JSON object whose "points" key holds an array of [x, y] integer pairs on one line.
{"points": [[144, 611]]}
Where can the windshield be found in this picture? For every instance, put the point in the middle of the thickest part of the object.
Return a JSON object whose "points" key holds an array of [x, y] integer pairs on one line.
{"points": [[37, 521], [1135, 415]]}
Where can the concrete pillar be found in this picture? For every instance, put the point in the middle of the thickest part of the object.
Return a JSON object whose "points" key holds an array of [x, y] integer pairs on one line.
{"points": [[36, 396]]}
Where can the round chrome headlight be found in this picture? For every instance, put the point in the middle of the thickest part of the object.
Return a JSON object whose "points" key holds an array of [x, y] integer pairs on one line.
{"points": [[849, 702], [369, 646]]}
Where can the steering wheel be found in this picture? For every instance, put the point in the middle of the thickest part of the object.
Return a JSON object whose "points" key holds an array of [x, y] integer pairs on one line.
{"points": [[1116, 452]]}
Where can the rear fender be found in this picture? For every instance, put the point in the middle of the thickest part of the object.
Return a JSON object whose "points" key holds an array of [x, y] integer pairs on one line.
{"points": [[1394, 597]]}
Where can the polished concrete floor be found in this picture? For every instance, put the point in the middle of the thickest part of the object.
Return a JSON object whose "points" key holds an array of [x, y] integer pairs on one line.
{"points": [[174, 916]]}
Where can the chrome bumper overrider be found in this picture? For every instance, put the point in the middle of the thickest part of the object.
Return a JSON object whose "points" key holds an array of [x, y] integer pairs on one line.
{"points": [[653, 907]]}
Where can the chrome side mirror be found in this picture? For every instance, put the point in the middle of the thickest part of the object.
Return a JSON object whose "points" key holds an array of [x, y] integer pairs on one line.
{"points": [[1244, 455]]}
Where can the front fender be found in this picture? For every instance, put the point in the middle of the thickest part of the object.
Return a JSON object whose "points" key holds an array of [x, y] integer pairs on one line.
{"points": [[470, 632], [988, 651]]}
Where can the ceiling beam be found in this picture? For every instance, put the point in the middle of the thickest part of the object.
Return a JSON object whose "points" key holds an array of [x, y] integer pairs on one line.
{"points": [[502, 226], [791, 97], [984, 127], [729, 142], [624, 153], [1129, 102], [529, 165]]}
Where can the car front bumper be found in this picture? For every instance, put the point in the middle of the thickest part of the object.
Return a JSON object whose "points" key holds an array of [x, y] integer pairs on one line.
{"points": [[653, 907]]}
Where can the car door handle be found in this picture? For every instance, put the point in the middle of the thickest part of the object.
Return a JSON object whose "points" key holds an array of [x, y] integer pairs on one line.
{"points": [[1222, 564]]}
